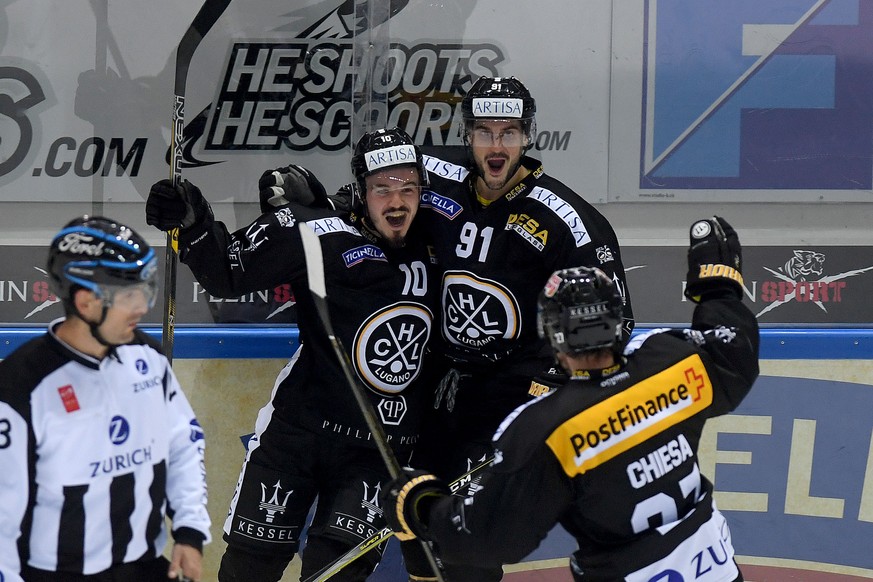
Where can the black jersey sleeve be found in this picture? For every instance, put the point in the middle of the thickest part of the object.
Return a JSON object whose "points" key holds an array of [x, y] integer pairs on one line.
{"points": [[266, 253], [514, 507], [604, 252], [728, 332]]}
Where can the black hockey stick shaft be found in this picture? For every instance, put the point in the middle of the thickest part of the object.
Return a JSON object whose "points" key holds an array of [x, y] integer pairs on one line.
{"points": [[383, 534], [101, 43], [315, 274], [208, 15]]}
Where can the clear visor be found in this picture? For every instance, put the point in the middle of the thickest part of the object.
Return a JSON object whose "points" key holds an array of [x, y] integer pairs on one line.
{"points": [[130, 296], [509, 138], [384, 186]]}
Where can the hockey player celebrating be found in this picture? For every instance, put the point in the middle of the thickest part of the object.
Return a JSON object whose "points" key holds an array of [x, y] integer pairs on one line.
{"points": [[612, 455], [311, 439], [500, 226], [97, 441]]}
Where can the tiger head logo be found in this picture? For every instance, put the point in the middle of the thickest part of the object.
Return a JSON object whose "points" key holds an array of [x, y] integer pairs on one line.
{"points": [[803, 264]]}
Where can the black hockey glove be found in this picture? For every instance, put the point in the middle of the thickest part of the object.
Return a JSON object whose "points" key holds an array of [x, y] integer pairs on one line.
{"points": [[715, 260], [407, 499], [290, 184], [170, 207], [343, 198]]}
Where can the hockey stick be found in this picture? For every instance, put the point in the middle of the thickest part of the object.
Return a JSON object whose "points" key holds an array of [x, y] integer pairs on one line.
{"points": [[383, 534], [315, 274], [101, 19], [208, 15]]}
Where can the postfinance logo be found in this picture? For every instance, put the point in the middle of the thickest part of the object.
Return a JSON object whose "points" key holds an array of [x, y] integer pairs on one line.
{"points": [[629, 418]]}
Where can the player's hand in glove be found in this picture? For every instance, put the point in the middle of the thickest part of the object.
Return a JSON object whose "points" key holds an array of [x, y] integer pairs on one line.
{"points": [[407, 499], [342, 200], [170, 207], [715, 260], [290, 184]]}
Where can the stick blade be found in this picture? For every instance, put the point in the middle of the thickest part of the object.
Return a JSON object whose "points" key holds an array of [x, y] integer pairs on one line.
{"points": [[315, 272], [314, 260]]}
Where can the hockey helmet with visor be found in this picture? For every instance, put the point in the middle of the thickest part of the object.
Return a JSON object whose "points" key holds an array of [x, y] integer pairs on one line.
{"points": [[499, 98], [580, 310], [105, 257], [380, 150]]}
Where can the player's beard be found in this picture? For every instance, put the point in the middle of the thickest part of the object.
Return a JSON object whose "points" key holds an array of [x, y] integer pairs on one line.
{"points": [[396, 241], [394, 238]]}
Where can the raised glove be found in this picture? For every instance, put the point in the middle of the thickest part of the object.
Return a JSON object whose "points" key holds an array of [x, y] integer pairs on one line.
{"points": [[343, 199], [290, 184], [170, 207], [407, 499], [715, 260]]}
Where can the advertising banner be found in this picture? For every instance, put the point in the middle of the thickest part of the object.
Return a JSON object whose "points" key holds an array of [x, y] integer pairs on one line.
{"points": [[86, 92], [741, 101], [640, 100], [794, 285]]}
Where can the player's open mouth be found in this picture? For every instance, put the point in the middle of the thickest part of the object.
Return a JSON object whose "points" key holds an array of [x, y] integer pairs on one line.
{"points": [[396, 219], [496, 165]]}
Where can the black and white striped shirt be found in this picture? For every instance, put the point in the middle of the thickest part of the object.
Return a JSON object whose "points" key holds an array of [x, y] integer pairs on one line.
{"points": [[94, 454]]}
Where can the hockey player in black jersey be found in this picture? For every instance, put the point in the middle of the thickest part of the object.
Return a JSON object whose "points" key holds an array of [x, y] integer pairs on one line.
{"points": [[98, 443], [500, 226], [311, 439], [612, 455]]}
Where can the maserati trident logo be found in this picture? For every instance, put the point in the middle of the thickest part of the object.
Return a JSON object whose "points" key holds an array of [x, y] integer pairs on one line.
{"points": [[272, 505], [371, 502]]}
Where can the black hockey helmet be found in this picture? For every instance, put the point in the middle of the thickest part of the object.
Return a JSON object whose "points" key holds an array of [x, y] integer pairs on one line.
{"points": [[381, 149], [500, 98], [103, 256], [580, 310]]}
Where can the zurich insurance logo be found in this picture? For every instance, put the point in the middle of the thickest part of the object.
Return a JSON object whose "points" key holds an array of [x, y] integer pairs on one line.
{"points": [[196, 431], [142, 367], [119, 430]]}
